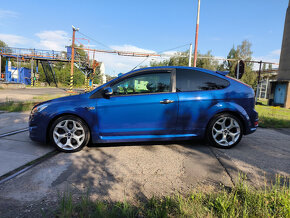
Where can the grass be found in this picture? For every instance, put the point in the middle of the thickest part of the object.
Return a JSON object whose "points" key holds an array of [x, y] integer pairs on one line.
{"points": [[19, 106], [273, 117], [12, 106], [48, 97], [240, 201]]}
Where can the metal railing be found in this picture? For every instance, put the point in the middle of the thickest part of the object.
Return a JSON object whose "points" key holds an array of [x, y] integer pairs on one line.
{"points": [[33, 53]]}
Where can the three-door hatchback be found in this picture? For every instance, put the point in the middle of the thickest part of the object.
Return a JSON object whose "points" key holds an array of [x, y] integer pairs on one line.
{"points": [[150, 104]]}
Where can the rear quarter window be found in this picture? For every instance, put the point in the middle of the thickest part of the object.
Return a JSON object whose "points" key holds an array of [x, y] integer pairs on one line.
{"points": [[193, 80]]}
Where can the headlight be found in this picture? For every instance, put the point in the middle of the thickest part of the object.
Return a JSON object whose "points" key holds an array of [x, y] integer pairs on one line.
{"points": [[38, 108]]}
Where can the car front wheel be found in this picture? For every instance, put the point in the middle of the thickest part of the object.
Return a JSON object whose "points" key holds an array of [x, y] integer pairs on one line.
{"points": [[69, 134], [224, 131]]}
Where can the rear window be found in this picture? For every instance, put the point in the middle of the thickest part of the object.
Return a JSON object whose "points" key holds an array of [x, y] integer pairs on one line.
{"points": [[194, 80]]}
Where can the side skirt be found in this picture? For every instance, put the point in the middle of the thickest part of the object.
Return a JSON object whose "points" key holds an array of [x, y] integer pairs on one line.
{"points": [[142, 138]]}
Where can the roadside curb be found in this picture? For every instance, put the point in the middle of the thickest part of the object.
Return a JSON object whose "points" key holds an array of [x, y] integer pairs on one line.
{"points": [[13, 132], [227, 163]]}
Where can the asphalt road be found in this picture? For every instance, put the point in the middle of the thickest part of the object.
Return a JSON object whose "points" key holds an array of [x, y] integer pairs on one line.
{"points": [[117, 172]]}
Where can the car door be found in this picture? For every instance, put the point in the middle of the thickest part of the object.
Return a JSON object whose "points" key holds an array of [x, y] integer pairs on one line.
{"points": [[197, 92], [142, 105]]}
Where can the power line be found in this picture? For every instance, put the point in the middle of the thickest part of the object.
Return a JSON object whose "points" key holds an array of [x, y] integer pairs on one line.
{"points": [[94, 40], [161, 52]]}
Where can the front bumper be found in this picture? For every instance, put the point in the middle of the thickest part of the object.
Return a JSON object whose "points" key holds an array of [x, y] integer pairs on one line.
{"points": [[38, 128]]}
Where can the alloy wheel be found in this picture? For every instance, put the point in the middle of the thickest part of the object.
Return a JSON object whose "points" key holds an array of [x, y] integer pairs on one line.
{"points": [[226, 131], [69, 134]]}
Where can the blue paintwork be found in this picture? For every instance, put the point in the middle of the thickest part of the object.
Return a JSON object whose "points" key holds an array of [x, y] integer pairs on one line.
{"points": [[280, 93], [142, 117]]}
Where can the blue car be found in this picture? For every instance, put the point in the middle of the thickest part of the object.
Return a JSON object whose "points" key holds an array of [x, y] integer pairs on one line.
{"points": [[150, 104]]}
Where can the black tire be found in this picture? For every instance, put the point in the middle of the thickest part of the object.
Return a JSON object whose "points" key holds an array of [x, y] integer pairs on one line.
{"points": [[225, 135], [77, 145]]}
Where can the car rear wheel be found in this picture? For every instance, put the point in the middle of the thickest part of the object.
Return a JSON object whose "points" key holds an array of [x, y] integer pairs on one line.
{"points": [[224, 131], [69, 134]]}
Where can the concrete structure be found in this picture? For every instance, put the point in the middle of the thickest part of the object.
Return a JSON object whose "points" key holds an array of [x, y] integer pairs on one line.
{"points": [[280, 90], [267, 77], [102, 73], [284, 66]]}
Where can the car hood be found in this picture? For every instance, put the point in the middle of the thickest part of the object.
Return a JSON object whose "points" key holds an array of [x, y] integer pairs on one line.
{"points": [[71, 97], [65, 99]]}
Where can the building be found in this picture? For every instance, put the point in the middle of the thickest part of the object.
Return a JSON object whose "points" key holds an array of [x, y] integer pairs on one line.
{"points": [[280, 90], [267, 78]]}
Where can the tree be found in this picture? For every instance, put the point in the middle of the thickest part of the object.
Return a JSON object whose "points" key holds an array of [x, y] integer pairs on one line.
{"points": [[181, 59], [264, 67], [207, 63], [230, 65], [3, 60], [242, 52], [155, 63]]}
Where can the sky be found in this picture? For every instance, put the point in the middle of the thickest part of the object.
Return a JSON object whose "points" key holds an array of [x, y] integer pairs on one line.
{"points": [[145, 26]]}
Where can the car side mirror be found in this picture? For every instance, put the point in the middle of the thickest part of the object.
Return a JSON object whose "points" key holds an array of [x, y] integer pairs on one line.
{"points": [[108, 91]]}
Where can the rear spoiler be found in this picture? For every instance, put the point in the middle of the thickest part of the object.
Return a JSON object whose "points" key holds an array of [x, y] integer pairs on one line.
{"points": [[224, 73]]}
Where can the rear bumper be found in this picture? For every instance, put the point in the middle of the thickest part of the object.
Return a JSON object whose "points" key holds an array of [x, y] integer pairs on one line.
{"points": [[252, 130], [252, 127]]}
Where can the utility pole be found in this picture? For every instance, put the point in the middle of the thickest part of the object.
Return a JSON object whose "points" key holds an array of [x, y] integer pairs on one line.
{"points": [[31, 73], [196, 35], [190, 54], [72, 58], [238, 69]]}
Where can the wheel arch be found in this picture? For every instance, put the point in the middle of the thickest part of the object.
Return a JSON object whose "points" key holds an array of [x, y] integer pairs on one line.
{"points": [[61, 115], [234, 113]]}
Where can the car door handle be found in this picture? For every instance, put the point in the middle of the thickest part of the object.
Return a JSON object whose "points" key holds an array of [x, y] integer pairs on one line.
{"points": [[166, 101]]}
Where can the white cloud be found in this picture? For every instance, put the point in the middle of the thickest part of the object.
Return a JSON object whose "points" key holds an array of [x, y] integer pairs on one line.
{"points": [[116, 64], [13, 40], [130, 48], [169, 53], [53, 40], [276, 52], [272, 57], [7, 13]]}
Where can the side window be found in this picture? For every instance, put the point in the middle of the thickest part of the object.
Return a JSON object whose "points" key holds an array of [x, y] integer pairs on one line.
{"points": [[146, 83], [194, 80]]}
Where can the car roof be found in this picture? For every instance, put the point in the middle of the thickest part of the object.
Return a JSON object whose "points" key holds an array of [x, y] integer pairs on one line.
{"points": [[169, 67], [221, 74]]}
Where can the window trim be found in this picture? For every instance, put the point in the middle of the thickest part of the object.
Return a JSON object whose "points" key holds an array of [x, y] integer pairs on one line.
{"points": [[172, 71]]}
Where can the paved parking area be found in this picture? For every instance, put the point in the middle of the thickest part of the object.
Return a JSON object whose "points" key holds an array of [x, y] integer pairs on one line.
{"points": [[127, 171], [17, 150], [13, 121], [28, 93]]}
